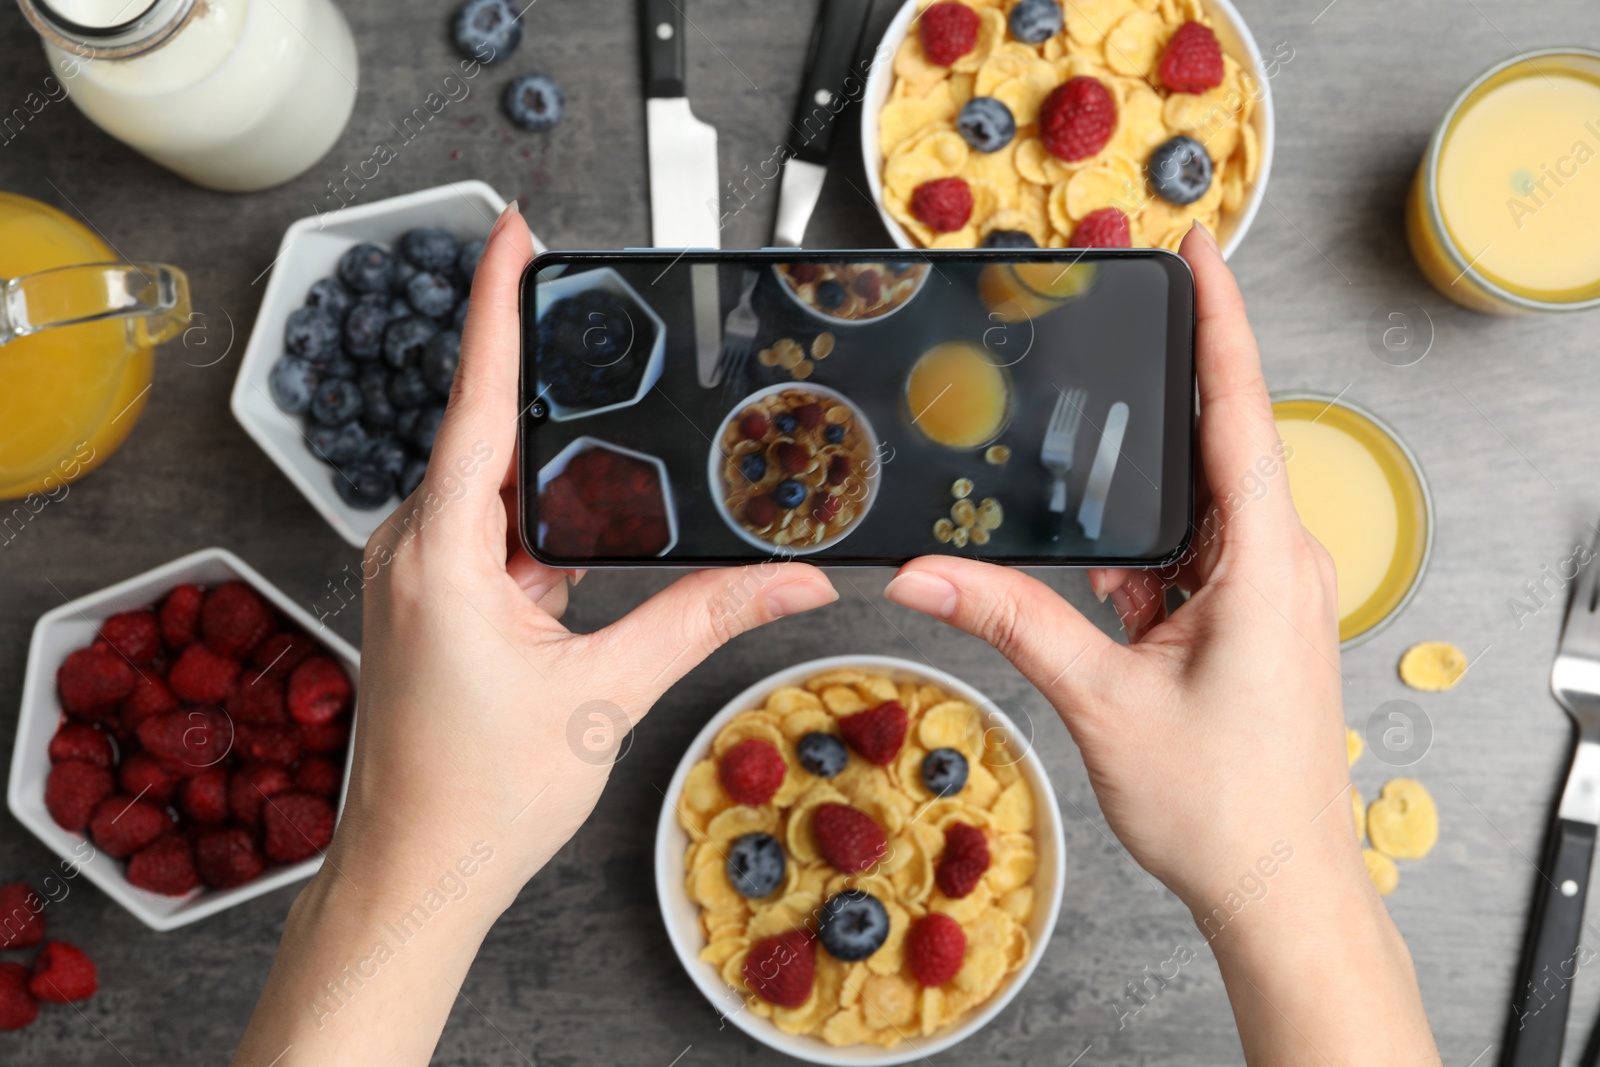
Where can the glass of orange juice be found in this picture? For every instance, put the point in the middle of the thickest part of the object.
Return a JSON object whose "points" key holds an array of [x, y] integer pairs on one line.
{"points": [[958, 395], [77, 334], [1504, 212], [1017, 291]]}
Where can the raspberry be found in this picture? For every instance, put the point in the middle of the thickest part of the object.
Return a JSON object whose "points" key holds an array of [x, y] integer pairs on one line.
{"points": [[73, 790], [189, 741], [868, 286], [318, 691], [18, 1007], [79, 740], [259, 698], [21, 916], [204, 798], [1105, 228], [752, 771], [135, 634], [949, 31], [62, 973], [122, 825], [782, 969], [325, 740], [1193, 60], [876, 733], [93, 679], [180, 616], [847, 838], [966, 857], [935, 947], [320, 776], [250, 788], [755, 425], [141, 775], [202, 676], [298, 826], [792, 457], [235, 620], [1077, 118], [164, 866], [281, 653], [267, 744], [226, 858], [150, 696], [944, 204]]}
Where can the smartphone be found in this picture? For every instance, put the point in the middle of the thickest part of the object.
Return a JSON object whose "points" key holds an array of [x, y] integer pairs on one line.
{"points": [[1022, 406]]}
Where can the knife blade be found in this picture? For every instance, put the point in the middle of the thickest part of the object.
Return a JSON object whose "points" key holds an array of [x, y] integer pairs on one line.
{"points": [[1092, 512], [706, 295], [826, 90], [684, 201]]}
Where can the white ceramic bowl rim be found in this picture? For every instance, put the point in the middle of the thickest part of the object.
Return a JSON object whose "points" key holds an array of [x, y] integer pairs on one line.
{"points": [[834, 320], [558, 463]]}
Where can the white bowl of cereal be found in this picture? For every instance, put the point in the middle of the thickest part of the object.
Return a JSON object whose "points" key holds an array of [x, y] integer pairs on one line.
{"points": [[793, 468], [859, 292], [874, 1010], [908, 133]]}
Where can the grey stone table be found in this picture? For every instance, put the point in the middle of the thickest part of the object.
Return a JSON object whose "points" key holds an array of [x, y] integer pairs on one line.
{"points": [[1504, 414]]}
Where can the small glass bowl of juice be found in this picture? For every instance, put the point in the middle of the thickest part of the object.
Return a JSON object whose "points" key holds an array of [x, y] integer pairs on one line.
{"points": [[958, 395], [1360, 492], [1504, 212]]}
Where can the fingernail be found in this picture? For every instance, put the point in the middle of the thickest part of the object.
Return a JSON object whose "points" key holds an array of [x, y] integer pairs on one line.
{"points": [[927, 593], [1097, 585], [576, 576], [1100, 596], [1198, 225], [796, 597], [507, 212]]}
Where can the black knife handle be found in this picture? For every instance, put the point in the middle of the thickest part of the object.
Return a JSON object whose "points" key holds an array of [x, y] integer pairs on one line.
{"points": [[1538, 1023], [662, 32], [830, 80]]}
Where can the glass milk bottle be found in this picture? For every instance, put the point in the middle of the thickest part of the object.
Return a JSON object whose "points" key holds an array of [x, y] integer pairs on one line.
{"points": [[234, 95]]}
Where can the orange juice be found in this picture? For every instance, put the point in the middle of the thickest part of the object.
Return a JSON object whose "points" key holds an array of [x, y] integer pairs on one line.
{"points": [[958, 395], [1504, 214], [1016, 291], [1359, 491]]}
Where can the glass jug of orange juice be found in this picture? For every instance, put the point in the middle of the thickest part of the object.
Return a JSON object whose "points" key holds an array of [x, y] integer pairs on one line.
{"points": [[77, 336]]}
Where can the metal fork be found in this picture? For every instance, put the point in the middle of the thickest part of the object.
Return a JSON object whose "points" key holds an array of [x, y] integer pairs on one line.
{"points": [[1550, 954], [738, 333], [1060, 438]]}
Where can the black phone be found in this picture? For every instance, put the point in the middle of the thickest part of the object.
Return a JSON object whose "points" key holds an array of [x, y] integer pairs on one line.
{"points": [[1024, 406]]}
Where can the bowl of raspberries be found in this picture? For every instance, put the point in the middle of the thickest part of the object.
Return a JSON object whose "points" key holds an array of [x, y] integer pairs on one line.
{"points": [[184, 738], [345, 377]]}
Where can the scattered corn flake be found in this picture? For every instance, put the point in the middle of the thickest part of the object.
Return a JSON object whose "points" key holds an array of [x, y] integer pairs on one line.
{"points": [[1433, 666], [1403, 822], [1353, 745], [1381, 869], [961, 488], [943, 530]]}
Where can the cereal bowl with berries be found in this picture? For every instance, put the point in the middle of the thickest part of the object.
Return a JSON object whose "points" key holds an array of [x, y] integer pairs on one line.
{"points": [[860, 860], [850, 294], [1067, 123], [793, 469]]}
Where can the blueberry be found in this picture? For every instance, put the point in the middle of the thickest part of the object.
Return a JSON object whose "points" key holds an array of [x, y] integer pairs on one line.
{"points": [[784, 421], [822, 754], [944, 772], [458, 320], [291, 382], [830, 294], [340, 366], [363, 330], [366, 268], [336, 402], [405, 423], [363, 486], [834, 434], [487, 30], [408, 388], [404, 271], [431, 294], [412, 476], [388, 455], [790, 493], [399, 308], [330, 295], [427, 428], [310, 332], [986, 124], [405, 339], [467, 260], [378, 411], [338, 445], [1034, 21], [753, 466], [535, 102], [852, 925], [1180, 170], [1009, 239], [430, 248], [756, 865], [439, 359]]}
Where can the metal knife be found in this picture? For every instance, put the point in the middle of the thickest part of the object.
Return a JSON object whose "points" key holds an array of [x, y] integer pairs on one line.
{"points": [[685, 203], [1093, 509], [826, 90], [706, 296]]}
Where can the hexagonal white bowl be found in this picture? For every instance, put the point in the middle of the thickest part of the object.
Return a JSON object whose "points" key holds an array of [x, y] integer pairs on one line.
{"points": [[1232, 31], [310, 250], [72, 626], [605, 279], [682, 915], [558, 463]]}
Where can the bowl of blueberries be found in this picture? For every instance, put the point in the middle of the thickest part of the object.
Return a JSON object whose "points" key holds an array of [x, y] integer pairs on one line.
{"points": [[345, 377], [601, 347]]}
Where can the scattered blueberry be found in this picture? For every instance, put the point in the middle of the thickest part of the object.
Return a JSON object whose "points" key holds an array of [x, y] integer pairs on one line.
{"points": [[986, 124], [822, 754], [1180, 170], [427, 428], [408, 388], [412, 476], [363, 330], [388, 455], [311, 333], [467, 260], [439, 359], [405, 339], [852, 925], [790, 493], [753, 465], [784, 421], [336, 402], [1009, 239], [431, 294], [338, 445], [430, 248], [944, 772], [378, 411], [1035, 21], [756, 865], [366, 268], [834, 434], [292, 381], [487, 30], [535, 102], [830, 294], [330, 295], [363, 486]]}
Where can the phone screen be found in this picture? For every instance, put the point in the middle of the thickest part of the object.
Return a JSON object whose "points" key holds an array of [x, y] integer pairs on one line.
{"points": [[1019, 406]]}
